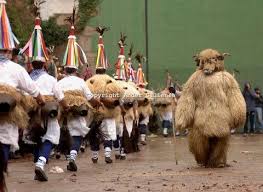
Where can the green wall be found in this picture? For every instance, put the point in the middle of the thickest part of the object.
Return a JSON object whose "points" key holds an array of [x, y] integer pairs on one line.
{"points": [[178, 29]]}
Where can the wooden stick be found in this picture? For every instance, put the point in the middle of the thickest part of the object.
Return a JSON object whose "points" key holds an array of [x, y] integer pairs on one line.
{"points": [[174, 138]]}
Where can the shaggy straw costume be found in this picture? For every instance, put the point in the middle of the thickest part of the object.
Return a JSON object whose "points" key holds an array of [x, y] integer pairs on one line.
{"points": [[128, 131], [110, 93], [210, 105], [165, 105], [19, 115], [145, 111]]}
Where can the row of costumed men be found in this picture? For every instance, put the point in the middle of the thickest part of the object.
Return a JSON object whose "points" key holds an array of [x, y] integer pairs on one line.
{"points": [[60, 114]]}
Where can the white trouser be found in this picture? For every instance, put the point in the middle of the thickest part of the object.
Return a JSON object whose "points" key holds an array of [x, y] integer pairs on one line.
{"points": [[129, 126], [78, 126], [53, 131], [109, 128]]}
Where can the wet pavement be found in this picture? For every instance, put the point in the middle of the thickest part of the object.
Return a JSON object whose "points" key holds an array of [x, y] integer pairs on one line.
{"points": [[162, 165]]}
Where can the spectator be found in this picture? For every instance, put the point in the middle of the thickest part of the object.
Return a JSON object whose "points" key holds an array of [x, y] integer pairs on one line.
{"points": [[250, 98], [259, 106]]}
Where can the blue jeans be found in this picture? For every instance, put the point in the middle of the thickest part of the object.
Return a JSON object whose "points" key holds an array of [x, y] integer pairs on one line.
{"points": [[77, 140], [108, 143], [251, 119], [167, 124], [259, 118], [143, 128], [117, 142], [5, 153], [43, 151]]}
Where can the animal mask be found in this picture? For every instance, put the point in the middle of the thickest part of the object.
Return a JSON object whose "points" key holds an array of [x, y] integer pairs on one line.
{"points": [[210, 61]]}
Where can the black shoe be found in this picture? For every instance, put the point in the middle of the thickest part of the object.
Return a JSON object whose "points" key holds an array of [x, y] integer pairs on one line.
{"points": [[36, 178], [143, 143], [82, 149], [94, 160], [165, 135], [108, 160], [58, 156], [72, 166], [123, 157], [117, 156], [40, 174]]}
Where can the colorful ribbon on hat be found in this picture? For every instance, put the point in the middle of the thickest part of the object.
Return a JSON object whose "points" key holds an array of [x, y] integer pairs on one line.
{"points": [[74, 55], [130, 72], [140, 78], [120, 66], [7, 39], [36, 48], [102, 61]]}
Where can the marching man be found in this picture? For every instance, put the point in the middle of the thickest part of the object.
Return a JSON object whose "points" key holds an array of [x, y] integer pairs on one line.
{"points": [[37, 52], [14, 76], [76, 88]]}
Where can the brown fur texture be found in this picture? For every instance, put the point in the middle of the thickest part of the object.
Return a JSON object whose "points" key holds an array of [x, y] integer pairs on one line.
{"points": [[35, 115], [165, 102], [146, 110], [131, 94], [210, 105], [105, 86], [19, 115], [29, 103], [97, 83], [75, 98]]}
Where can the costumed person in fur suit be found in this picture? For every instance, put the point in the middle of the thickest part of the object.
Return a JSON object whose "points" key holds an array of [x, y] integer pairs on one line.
{"points": [[13, 77], [145, 101], [211, 105], [125, 121], [119, 76], [110, 93], [166, 104], [36, 50], [76, 96]]}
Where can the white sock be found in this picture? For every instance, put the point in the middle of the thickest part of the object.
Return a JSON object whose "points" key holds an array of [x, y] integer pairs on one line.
{"points": [[41, 162], [122, 152], [165, 131], [107, 151], [73, 155], [94, 154], [117, 151], [143, 137]]}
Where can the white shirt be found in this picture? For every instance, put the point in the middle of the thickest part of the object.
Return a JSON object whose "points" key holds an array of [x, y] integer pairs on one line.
{"points": [[75, 83], [16, 76], [77, 125], [48, 86], [167, 115]]}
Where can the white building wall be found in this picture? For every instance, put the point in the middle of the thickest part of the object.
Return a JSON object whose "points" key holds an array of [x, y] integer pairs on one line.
{"points": [[53, 7]]}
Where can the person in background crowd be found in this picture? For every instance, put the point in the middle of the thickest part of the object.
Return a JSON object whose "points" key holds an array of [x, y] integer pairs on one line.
{"points": [[15, 53], [250, 98], [259, 106]]}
